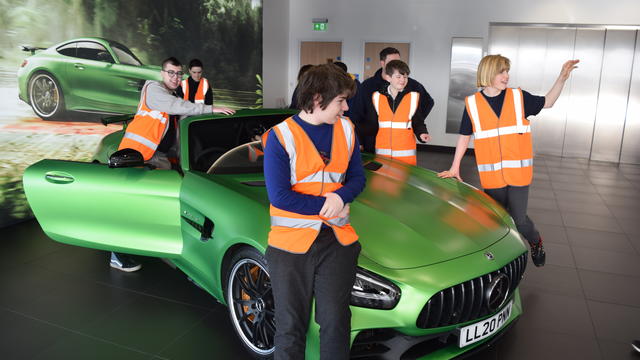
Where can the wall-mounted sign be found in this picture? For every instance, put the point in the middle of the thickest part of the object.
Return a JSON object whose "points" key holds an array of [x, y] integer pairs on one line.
{"points": [[319, 26]]}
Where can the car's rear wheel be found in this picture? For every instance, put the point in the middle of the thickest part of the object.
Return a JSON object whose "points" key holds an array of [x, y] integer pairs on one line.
{"points": [[45, 96], [250, 301]]}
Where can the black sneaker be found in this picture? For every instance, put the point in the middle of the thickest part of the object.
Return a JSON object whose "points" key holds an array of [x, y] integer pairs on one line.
{"points": [[635, 344], [124, 263], [538, 256]]}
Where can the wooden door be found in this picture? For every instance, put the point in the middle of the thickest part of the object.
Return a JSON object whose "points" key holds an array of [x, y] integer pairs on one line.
{"points": [[372, 55], [319, 52]]}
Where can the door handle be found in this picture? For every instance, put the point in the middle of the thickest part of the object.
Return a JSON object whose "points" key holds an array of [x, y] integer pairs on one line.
{"points": [[132, 83], [78, 66], [58, 177]]}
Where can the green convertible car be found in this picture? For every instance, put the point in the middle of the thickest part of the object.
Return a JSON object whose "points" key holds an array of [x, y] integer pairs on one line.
{"points": [[86, 74], [440, 265]]}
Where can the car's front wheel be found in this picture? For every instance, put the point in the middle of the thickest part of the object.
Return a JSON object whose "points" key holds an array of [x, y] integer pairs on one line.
{"points": [[250, 302], [45, 96]]}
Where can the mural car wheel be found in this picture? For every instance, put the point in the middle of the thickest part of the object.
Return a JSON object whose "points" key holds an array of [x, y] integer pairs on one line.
{"points": [[250, 302], [45, 96]]}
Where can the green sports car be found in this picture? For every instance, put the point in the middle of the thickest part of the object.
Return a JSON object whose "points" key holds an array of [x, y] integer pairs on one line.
{"points": [[438, 273], [86, 74]]}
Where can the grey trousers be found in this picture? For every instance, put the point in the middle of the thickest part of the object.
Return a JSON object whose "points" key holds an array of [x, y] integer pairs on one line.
{"points": [[515, 199]]}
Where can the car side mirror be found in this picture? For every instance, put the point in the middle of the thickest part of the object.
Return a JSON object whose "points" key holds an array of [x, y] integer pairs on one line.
{"points": [[126, 158]]}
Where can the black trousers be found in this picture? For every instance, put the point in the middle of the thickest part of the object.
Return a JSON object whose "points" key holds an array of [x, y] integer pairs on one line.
{"points": [[515, 199], [327, 271]]}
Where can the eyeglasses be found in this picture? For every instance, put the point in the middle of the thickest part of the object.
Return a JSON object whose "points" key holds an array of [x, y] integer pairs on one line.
{"points": [[174, 73]]}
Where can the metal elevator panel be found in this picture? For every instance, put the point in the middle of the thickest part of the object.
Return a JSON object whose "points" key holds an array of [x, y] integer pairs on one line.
{"points": [[615, 80], [549, 125], [466, 54], [582, 93], [504, 41], [630, 145]]}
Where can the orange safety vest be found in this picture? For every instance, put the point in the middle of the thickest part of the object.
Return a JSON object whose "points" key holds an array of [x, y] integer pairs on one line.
{"points": [[503, 147], [295, 232], [146, 130], [203, 86], [395, 137]]}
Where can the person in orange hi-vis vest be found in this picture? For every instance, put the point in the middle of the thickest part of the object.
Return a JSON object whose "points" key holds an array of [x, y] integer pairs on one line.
{"points": [[397, 109], [196, 88], [313, 171], [154, 133], [497, 118]]}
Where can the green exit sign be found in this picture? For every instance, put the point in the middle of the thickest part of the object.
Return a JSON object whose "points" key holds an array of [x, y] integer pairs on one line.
{"points": [[319, 26]]}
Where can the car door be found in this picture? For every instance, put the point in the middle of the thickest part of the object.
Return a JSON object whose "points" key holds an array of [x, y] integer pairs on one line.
{"points": [[91, 77], [134, 210]]}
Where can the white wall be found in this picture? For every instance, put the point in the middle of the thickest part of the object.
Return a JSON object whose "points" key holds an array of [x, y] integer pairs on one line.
{"points": [[428, 25], [275, 52]]}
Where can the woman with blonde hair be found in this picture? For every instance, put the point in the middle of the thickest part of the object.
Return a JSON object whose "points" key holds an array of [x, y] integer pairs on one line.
{"points": [[497, 118]]}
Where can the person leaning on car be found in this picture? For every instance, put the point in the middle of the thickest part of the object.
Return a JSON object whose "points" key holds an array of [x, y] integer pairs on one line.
{"points": [[153, 130], [313, 170]]}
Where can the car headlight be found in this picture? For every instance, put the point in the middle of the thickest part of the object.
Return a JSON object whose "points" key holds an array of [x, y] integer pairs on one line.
{"points": [[373, 291]]}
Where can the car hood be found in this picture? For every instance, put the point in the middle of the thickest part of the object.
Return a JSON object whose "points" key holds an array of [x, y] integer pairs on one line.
{"points": [[407, 217]]}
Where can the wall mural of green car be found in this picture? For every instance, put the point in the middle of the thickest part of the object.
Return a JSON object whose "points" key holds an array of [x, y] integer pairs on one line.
{"points": [[437, 277], [86, 74]]}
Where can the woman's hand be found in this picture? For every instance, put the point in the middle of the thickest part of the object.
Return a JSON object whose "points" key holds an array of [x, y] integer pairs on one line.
{"points": [[567, 68], [453, 172]]}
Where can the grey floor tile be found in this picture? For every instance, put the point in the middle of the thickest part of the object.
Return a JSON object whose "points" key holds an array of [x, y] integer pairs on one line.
{"points": [[585, 187], [543, 204], [575, 179], [621, 200], [625, 190], [615, 322], [592, 222], [552, 169], [542, 193], [567, 196], [582, 208], [625, 212], [610, 288], [607, 261], [553, 234], [630, 226], [172, 319], [23, 337], [602, 240], [612, 182], [619, 350], [549, 344], [541, 181], [545, 312], [545, 217], [77, 346], [558, 280], [559, 254]]}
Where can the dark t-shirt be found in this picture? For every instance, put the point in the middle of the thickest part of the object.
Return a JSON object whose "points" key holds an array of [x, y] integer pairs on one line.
{"points": [[532, 106]]}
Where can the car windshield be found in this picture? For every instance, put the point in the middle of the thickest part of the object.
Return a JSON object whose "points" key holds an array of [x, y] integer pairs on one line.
{"points": [[244, 159], [125, 56]]}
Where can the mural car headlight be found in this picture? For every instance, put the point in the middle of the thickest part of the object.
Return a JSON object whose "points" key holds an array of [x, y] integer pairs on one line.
{"points": [[373, 291]]}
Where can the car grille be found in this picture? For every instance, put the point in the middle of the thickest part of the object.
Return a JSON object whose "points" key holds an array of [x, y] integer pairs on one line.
{"points": [[465, 302]]}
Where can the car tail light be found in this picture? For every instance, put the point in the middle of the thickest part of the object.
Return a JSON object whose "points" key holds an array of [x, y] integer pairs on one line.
{"points": [[24, 63]]}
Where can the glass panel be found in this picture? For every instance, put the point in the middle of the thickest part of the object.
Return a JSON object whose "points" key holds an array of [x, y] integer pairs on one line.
{"points": [[466, 54]]}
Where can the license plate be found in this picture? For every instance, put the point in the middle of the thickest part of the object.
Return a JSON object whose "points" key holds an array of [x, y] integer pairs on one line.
{"points": [[485, 328]]}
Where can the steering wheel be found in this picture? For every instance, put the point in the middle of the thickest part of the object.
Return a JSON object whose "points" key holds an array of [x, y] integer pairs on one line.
{"points": [[202, 156]]}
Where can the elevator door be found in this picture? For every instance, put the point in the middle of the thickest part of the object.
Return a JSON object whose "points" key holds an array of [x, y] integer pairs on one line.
{"points": [[598, 109]]}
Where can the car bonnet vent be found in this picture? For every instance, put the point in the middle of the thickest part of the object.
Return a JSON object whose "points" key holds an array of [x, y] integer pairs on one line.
{"points": [[372, 165], [254, 183]]}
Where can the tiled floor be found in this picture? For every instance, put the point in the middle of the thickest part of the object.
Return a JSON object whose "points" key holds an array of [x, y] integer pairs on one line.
{"points": [[64, 302]]}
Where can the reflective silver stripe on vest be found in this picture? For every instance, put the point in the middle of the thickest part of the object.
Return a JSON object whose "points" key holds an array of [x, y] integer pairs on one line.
{"points": [[397, 153], [290, 146], [376, 101], [154, 114], [475, 117], [142, 140], [507, 130], [511, 164], [295, 223], [324, 176], [348, 134], [394, 124], [414, 103], [339, 221]]}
